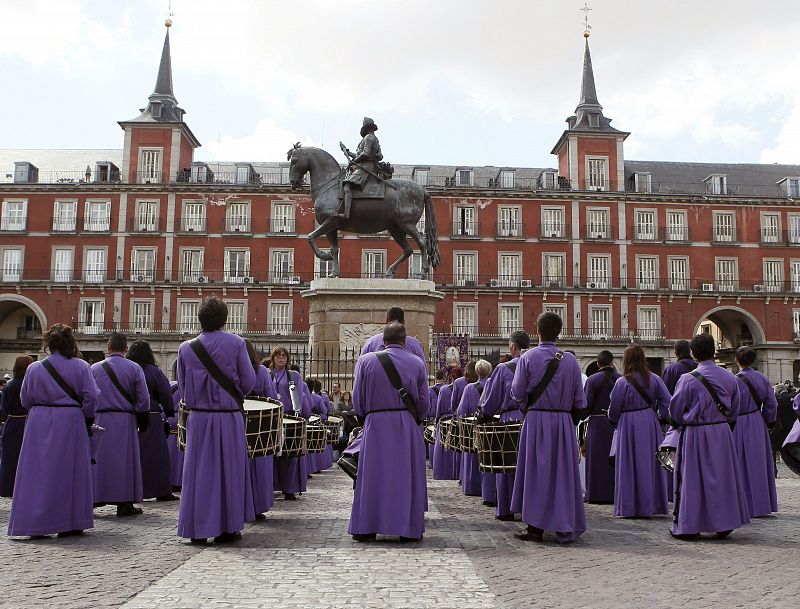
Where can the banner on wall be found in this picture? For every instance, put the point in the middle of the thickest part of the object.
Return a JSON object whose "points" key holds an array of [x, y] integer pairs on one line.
{"points": [[453, 351]]}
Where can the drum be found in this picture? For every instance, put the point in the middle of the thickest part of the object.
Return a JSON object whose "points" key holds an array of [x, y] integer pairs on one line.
{"points": [[263, 426], [429, 434], [665, 455], [335, 427], [183, 416], [294, 437], [353, 435], [497, 444], [466, 433], [316, 435], [448, 429]]}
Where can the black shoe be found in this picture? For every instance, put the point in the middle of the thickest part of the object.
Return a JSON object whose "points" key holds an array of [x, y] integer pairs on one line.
{"points": [[289, 497], [227, 537], [530, 534], [197, 541], [74, 533], [723, 534], [169, 497], [176, 489], [685, 536], [128, 509], [261, 516], [490, 504], [505, 517], [365, 537], [310, 476]]}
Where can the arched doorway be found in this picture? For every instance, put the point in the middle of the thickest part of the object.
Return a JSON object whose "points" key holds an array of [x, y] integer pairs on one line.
{"points": [[731, 328], [21, 325]]}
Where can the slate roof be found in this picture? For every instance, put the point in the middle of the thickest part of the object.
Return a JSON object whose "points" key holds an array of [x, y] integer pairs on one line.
{"points": [[68, 163]]}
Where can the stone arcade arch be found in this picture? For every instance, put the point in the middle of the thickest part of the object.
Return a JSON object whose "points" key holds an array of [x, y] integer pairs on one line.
{"points": [[731, 327], [21, 325]]}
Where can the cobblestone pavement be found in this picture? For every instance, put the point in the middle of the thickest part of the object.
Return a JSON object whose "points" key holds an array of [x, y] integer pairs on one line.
{"points": [[301, 556]]}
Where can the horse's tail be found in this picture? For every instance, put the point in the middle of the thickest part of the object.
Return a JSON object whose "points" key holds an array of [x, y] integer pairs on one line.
{"points": [[431, 239]]}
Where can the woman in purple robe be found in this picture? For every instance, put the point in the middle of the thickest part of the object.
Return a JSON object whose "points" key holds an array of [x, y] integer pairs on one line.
{"points": [[216, 495], [53, 487], [390, 495], [446, 463], [460, 383], [471, 478], [175, 453], [324, 459], [290, 472], [638, 400], [156, 478], [759, 409], [790, 451], [709, 493], [261, 469], [315, 460], [14, 428]]}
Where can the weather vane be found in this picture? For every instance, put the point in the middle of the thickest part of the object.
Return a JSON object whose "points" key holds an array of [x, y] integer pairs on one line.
{"points": [[587, 29], [170, 14]]}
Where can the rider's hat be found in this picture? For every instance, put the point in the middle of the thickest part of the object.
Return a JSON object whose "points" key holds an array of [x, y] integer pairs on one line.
{"points": [[369, 125]]}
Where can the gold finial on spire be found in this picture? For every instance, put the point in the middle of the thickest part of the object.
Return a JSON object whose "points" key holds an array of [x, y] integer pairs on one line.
{"points": [[170, 15], [587, 29]]}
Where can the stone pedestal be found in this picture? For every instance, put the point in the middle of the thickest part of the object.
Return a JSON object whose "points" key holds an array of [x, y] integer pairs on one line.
{"points": [[344, 313]]}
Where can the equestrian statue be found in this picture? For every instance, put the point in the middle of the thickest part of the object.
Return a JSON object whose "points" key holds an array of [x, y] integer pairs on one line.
{"points": [[364, 199]]}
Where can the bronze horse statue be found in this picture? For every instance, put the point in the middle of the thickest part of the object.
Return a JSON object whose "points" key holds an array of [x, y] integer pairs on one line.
{"points": [[397, 212]]}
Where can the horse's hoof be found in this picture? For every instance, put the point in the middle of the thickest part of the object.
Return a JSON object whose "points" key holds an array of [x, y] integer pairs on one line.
{"points": [[325, 256]]}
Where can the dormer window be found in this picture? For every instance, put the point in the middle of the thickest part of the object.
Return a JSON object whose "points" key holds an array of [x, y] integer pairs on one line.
{"points": [[549, 180], [155, 109], [594, 120], [791, 187], [244, 174], [464, 177], [717, 184], [507, 179], [421, 176], [642, 182], [201, 174]]}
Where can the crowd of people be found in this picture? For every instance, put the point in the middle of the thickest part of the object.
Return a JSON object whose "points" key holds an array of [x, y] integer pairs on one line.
{"points": [[78, 437]]}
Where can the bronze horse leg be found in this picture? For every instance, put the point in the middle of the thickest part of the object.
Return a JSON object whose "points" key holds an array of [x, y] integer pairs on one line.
{"points": [[411, 229], [399, 236], [330, 224]]}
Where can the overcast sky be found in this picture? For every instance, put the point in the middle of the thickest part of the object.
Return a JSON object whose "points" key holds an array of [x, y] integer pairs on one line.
{"points": [[448, 81]]}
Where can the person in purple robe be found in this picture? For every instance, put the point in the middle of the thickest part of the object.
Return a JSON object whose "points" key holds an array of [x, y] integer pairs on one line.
{"points": [[759, 410], [153, 449], [175, 453], [291, 473], [709, 493], [324, 407], [547, 484], [53, 485], [446, 463], [600, 431], [261, 469], [460, 383], [472, 480], [790, 450], [433, 397], [677, 369], [375, 343], [216, 498], [124, 406], [496, 399], [638, 401], [315, 460], [390, 493], [15, 415]]}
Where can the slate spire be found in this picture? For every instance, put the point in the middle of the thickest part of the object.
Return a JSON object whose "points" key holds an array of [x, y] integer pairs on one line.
{"points": [[162, 106], [588, 89], [164, 80]]}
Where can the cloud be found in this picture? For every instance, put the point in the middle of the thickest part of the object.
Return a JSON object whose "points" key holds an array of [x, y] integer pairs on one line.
{"points": [[268, 141]]}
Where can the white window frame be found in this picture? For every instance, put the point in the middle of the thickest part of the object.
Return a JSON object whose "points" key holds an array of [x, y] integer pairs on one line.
{"points": [[724, 232], [322, 267], [147, 215], [97, 221], [549, 280], [554, 225], [597, 180], [233, 325], [645, 231], [770, 227], [726, 284], [465, 220], [598, 330], [677, 232], [19, 220], [507, 278], [279, 326], [97, 325], [139, 324], [368, 259], [465, 328], [791, 187], [282, 217], [421, 176], [506, 325], [598, 223], [143, 274], [463, 277], [794, 275], [651, 333], [415, 266], [192, 274], [678, 283], [793, 228], [595, 279], [796, 323], [238, 217], [65, 222], [62, 275], [717, 184], [191, 325], [92, 275], [281, 265], [236, 275], [560, 310], [642, 182], [12, 272], [152, 172], [509, 220], [460, 174], [193, 223], [644, 279], [773, 282], [506, 179]]}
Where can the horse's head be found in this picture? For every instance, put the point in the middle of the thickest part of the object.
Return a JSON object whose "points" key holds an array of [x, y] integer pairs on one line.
{"points": [[298, 165]]}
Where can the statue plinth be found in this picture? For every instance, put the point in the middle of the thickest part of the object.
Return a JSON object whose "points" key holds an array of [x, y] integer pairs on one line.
{"points": [[344, 313]]}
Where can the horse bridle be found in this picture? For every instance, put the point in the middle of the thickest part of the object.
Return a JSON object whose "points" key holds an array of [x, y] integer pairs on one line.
{"points": [[327, 185]]}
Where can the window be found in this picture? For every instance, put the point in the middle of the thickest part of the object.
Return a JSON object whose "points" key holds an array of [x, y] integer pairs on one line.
{"points": [[678, 273], [243, 174], [649, 327], [280, 317], [281, 266], [98, 216], [237, 217], [724, 227], [548, 180], [237, 317], [237, 265], [149, 165], [421, 177], [597, 224], [146, 216], [194, 217], [598, 278], [599, 321], [415, 266], [553, 271], [552, 223], [726, 274], [65, 214], [560, 310], [594, 120], [466, 269], [374, 263], [282, 220], [464, 177], [677, 227], [465, 221], [793, 233], [142, 315], [796, 323], [14, 215], [717, 185], [192, 265], [645, 229], [506, 179], [12, 265], [794, 269], [596, 173], [421, 224], [510, 319], [509, 221], [773, 275], [187, 316], [143, 264], [509, 270], [464, 317], [642, 182], [322, 268], [770, 228], [94, 265], [647, 272], [792, 186], [62, 264], [92, 316]]}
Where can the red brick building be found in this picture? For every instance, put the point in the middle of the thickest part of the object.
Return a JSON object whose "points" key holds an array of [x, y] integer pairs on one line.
{"points": [[133, 239]]}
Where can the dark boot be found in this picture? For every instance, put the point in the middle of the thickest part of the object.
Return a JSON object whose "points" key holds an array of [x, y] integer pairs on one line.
{"points": [[128, 509], [348, 202], [228, 538], [530, 534]]}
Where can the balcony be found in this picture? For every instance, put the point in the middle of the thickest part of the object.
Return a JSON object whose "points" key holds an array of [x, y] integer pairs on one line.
{"points": [[145, 224], [553, 232], [97, 225], [67, 224], [725, 236], [282, 226], [466, 229], [509, 230], [647, 233], [677, 234], [14, 224], [181, 329], [237, 225], [599, 232], [193, 225]]}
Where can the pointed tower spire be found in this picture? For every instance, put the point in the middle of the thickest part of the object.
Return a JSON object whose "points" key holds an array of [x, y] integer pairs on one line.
{"points": [[164, 80], [588, 89]]}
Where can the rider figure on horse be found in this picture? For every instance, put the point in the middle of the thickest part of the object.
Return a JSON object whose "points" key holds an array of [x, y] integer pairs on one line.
{"points": [[363, 164]]}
